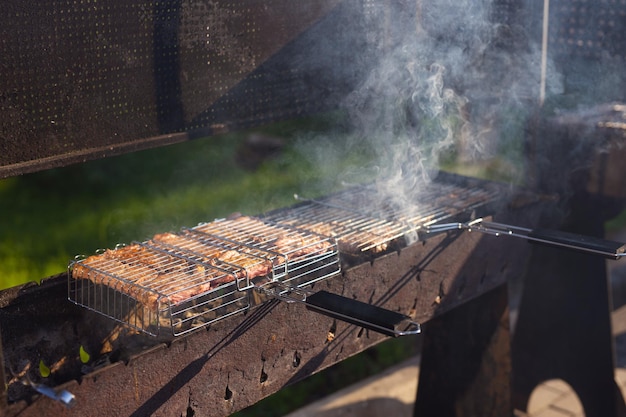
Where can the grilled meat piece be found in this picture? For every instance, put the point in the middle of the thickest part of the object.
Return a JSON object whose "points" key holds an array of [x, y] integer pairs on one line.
{"points": [[174, 267], [348, 240], [291, 243], [106, 271], [149, 277], [217, 253]]}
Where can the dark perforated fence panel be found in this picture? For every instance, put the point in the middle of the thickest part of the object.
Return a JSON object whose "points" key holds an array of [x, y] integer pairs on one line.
{"points": [[90, 78], [83, 79], [588, 28], [587, 46]]}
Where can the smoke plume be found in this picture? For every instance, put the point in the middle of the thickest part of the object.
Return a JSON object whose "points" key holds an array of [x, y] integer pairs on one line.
{"points": [[450, 82]]}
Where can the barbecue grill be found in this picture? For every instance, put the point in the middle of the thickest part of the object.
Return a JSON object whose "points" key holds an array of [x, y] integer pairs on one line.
{"points": [[190, 279], [192, 285], [364, 244], [186, 321]]}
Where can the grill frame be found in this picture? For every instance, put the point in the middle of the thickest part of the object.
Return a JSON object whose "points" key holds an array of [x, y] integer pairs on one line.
{"points": [[277, 333]]}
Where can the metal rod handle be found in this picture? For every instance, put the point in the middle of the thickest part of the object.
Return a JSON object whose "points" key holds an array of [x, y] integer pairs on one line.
{"points": [[589, 244]]}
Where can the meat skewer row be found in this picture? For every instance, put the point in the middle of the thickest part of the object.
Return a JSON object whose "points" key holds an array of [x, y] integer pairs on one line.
{"points": [[138, 273]]}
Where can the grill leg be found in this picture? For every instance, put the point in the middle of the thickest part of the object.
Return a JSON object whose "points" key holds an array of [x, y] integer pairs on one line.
{"points": [[563, 331], [465, 365], [564, 325]]}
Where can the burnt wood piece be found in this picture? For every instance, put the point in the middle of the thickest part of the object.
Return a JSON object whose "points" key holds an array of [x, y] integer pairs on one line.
{"points": [[465, 363], [240, 360]]}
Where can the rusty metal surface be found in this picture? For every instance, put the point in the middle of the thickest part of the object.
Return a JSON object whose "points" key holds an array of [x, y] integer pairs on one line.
{"points": [[243, 359], [466, 360]]}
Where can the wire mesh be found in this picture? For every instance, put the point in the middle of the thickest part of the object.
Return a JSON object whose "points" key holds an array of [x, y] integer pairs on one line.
{"points": [[186, 280], [198, 275], [361, 220]]}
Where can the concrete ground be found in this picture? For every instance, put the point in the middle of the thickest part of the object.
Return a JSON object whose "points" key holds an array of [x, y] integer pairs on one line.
{"points": [[392, 393]]}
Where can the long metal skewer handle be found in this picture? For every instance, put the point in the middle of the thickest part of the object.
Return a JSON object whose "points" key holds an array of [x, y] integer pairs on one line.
{"points": [[588, 244], [362, 314]]}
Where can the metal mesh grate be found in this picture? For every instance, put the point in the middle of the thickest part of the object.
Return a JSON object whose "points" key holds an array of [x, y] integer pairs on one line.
{"points": [[354, 231], [149, 288], [298, 257], [190, 279], [362, 221]]}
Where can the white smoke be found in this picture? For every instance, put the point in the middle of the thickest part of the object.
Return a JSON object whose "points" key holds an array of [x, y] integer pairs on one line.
{"points": [[456, 85], [404, 109], [451, 83]]}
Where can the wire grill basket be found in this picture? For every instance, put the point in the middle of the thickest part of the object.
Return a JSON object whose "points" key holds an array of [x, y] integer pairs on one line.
{"points": [[362, 221], [185, 280]]}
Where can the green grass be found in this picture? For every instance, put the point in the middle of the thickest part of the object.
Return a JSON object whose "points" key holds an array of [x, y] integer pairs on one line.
{"points": [[51, 216], [617, 223]]}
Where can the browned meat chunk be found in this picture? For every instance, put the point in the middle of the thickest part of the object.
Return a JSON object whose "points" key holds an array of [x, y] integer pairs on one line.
{"points": [[175, 267], [150, 277]]}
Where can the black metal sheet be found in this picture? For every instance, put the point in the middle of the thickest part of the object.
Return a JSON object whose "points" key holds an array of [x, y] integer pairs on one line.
{"points": [[83, 80]]}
